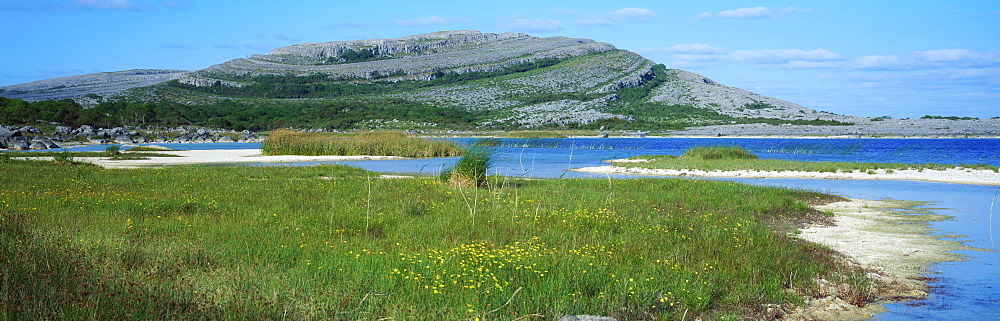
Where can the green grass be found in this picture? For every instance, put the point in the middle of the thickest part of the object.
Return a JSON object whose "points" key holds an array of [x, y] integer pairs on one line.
{"points": [[717, 152], [333, 242], [148, 149], [287, 142], [534, 134], [717, 158]]}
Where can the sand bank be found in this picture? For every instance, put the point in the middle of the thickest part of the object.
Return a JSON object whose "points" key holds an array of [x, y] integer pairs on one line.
{"points": [[875, 235], [957, 176], [220, 156]]}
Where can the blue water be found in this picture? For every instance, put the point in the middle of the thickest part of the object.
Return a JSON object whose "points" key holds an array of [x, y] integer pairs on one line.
{"points": [[965, 290]]}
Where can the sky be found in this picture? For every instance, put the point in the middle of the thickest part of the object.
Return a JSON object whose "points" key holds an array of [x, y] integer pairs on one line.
{"points": [[903, 59]]}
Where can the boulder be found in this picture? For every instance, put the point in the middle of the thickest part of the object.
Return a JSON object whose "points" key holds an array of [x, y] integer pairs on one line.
{"points": [[63, 129], [30, 130], [124, 139], [10, 133], [225, 139], [37, 145], [19, 144]]}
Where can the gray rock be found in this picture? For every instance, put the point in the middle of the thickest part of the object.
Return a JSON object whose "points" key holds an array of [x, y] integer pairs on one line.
{"points": [[18, 143], [10, 133], [38, 145], [63, 129], [124, 140], [225, 139], [97, 140], [30, 130]]}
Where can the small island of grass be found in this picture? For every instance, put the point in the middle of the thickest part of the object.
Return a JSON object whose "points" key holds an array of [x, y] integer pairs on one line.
{"points": [[732, 161]]}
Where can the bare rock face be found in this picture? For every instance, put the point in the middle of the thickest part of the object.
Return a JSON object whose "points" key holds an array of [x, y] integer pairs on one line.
{"points": [[101, 84], [687, 88], [416, 57]]}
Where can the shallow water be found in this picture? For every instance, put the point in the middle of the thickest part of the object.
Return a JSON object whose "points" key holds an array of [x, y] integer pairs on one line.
{"points": [[966, 290]]}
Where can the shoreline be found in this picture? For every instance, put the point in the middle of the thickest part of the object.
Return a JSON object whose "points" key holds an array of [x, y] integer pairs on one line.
{"points": [[215, 156], [953, 176], [896, 247]]}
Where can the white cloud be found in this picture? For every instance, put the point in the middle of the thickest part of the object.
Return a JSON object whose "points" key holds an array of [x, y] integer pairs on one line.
{"points": [[536, 25], [779, 56], [695, 48], [745, 13], [423, 21], [609, 18], [878, 62], [632, 14], [752, 13], [106, 4], [790, 11]]}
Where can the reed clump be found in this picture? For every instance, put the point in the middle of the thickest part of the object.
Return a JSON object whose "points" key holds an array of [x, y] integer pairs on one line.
{"points": [[390, 143], [472, 167]]}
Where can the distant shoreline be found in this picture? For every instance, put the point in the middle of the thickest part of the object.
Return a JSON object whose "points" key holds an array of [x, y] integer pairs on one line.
{"points": [[954, 176]]}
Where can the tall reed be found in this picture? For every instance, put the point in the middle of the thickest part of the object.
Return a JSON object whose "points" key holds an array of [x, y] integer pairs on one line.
{"points": [[288, 142]]}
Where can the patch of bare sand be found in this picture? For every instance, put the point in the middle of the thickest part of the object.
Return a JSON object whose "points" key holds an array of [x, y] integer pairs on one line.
{"points": [[888, 238], [220, 156], [956, 176]]}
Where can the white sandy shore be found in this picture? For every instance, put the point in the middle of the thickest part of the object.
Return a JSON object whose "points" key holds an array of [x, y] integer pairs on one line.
{"points": [[957, 176], [895, 247], [220, 156]]}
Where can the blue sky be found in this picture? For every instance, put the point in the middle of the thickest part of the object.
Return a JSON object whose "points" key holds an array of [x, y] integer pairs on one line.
{"points": [[865, 58]]}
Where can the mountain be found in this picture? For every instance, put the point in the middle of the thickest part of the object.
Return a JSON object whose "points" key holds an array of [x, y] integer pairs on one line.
{"points": [[462, 79], [101, 84]]}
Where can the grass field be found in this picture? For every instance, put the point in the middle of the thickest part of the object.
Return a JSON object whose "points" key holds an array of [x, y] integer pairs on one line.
{"points": [[338, 243]]}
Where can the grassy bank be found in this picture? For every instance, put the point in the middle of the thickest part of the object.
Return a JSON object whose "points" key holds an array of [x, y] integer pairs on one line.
{"points": [[287, 142], [729, 158], [338, 243]]}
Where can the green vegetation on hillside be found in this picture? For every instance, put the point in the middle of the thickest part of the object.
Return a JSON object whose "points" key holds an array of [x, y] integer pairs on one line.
{"points": [[332, 242], [324, 86]]}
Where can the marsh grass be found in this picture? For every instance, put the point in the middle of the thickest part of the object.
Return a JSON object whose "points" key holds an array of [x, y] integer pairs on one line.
{"points": [[113, 150], [288, 142], [334, 242], [534, 134], [733, 159], [149, 149], [471, 169]]}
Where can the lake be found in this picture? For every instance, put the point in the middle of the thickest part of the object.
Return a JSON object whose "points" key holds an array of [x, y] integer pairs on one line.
{"points": [[964, 290]]}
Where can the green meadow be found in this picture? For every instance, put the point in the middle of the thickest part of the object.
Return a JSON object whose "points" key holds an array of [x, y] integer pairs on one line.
{"points": [[79, 242]]}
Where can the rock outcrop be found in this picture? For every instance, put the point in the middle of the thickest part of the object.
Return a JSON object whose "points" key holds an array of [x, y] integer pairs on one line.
{"points": [[413, 57], [79, 86]]}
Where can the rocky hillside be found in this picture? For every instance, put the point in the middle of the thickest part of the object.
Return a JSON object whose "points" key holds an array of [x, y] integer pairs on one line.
{"points": [[101, 84], [489, 80]]}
